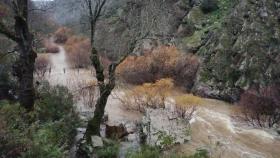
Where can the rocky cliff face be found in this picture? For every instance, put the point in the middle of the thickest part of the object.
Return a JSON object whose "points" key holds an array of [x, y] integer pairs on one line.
{"points": [[244, 51]]}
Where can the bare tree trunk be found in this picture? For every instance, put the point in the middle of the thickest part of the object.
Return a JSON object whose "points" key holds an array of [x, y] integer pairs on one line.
{"points": [[93, 127], [25, 64], [105, 88], [24, 67]]}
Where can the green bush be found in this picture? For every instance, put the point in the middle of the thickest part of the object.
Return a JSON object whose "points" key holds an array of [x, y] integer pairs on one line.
{"points": [[110, 150], [54, 103], [47, 132], [145, 152], [43, 151]]}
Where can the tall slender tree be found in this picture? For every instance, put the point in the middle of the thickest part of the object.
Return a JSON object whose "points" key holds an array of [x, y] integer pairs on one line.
{"points": [[24, 67], [105, 85]]}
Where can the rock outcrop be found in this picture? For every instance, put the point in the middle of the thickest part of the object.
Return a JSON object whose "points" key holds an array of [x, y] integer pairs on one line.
{"points": [[244, 51], [164, 128]]}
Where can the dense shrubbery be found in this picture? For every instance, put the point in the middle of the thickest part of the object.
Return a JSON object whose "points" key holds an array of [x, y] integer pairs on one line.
{"points": [[47, 132], [163, 62], [261, 106], [151, 95], [79, 52], [145, 152], [110, 150], [78, 49], [7, 83]]}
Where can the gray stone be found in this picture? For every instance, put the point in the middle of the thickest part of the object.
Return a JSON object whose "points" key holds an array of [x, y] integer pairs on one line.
{"points": [[97, 141], [157, 121]]}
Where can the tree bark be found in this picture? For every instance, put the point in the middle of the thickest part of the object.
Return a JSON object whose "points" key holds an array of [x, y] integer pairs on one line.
{"points": [[25, 65], [93, 127]]}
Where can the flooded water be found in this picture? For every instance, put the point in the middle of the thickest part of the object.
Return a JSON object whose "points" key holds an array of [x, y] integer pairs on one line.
{"points": [[212, 128]]}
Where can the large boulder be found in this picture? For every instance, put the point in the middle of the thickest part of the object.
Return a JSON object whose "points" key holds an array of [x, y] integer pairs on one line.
{"points": [[162, 127], [97, 141]]}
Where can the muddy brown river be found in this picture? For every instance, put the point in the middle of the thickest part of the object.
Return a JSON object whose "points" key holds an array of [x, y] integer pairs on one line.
{"points": [[212, 128]]}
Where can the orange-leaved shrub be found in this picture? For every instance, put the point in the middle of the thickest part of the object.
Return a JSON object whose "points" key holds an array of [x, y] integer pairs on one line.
{"points": [[260, 106], [61, 35], [148, 95], [163, 62], [185, 105], [78, 51]]}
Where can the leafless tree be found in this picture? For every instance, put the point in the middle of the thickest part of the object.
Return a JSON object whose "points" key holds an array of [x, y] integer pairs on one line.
{"points": [[105, 84]]}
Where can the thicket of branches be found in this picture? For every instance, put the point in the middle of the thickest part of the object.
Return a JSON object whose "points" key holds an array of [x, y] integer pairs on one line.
{"points": [[163, 62], [261, 106]]}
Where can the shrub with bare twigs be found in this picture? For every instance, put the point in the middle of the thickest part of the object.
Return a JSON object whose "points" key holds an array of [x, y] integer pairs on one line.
{"points": [[84, 91], [78, 49], [148, 95], [185, 105], [163, 62], [42, 64], [261, 106]]}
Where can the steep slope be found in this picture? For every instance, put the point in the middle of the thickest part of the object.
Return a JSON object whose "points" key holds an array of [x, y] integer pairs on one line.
{"points": [[244, 51], [135, 18]]}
